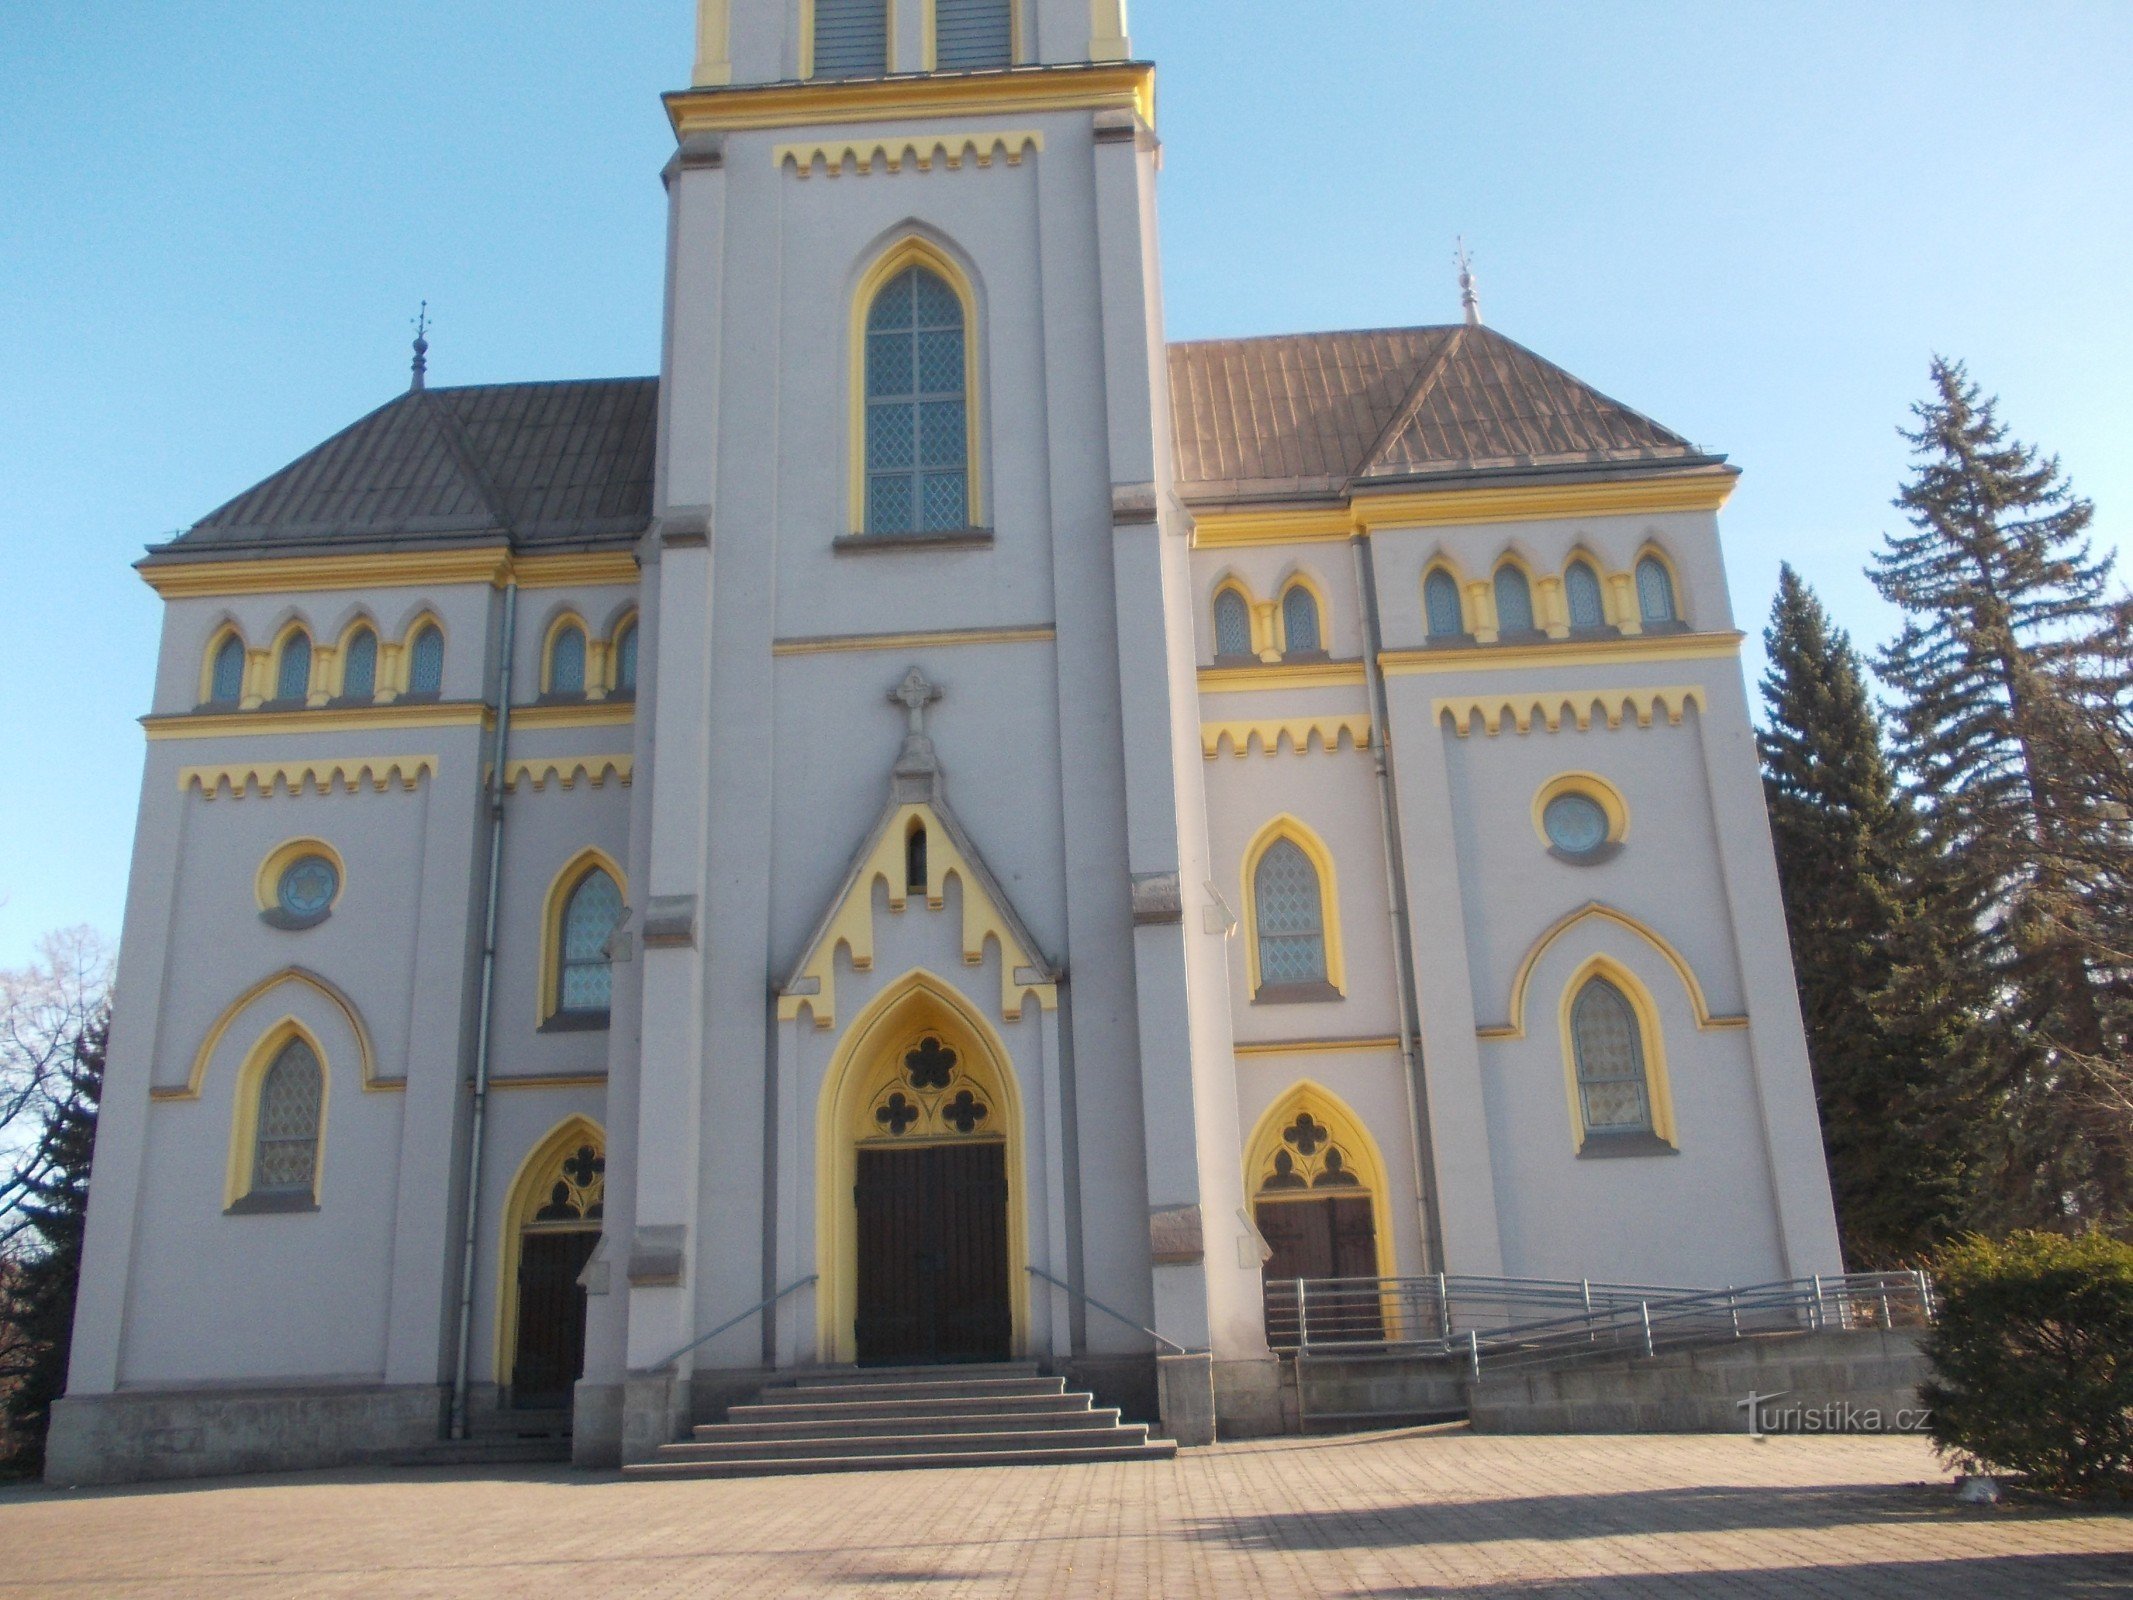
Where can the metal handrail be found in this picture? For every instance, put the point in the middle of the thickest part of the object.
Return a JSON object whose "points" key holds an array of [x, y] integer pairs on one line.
{"points": [[735, 1322], [1119, 1316]]}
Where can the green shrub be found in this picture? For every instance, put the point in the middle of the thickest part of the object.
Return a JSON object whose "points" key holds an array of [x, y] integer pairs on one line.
{"points": [[2033, 1359]]}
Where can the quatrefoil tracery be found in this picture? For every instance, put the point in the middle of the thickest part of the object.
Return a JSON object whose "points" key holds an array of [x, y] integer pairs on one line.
{"points": [[1309, 1159], [930, 1096]]}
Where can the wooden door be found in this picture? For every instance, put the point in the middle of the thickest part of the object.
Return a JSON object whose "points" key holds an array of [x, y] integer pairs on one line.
{"points": [[551, 1317], [933, 1266], [1320, 1238]]}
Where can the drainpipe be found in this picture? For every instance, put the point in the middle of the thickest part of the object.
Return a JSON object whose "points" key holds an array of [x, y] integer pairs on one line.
{"points": [[1403, 946], [478, 1113]]}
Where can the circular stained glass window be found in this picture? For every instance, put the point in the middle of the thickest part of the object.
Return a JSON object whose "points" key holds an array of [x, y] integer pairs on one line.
{"points": [[308, 885], [1576, 824]]}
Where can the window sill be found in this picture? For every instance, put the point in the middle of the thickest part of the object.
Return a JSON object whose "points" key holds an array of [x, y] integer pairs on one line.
{"points": [[270, 1202], [1294, 994], [576, 1022], [853, 544], [1610, 1146]]}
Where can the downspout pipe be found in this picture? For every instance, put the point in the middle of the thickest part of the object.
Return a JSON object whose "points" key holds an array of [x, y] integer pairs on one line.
{"points": [[1412, 1077], [477, 1116]]}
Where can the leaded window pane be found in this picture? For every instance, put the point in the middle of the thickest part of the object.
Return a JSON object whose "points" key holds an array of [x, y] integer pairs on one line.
{"points": [[1441, 597], [969, 34], [917, 422], [566, 662], [226, 682], [889, 358], [1582, 586], [940, 433], [947, 502], [1655, 591], [1233, 625], [1610, 1060], [851, 38], [626, 660], [359, 667], [285, 1157], [1514, 602], [425, 663], [889, 503], [292, 679], [1299, 619], [1292, 937], [589, 919]]}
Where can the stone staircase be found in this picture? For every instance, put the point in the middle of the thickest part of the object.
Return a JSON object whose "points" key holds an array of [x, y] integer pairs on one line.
{"points": [[876, 1419]]}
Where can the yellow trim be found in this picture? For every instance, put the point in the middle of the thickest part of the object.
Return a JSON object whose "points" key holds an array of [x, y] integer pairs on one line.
{"points": [[1299, 833], [1494, 622], [1232, 583], [1036, 633], [1468, 622], [576, 714], [527, 1194], [851, 925], [366, 1058], [1302, 1047], [338, 688], [415, 569], [1304, 581], [1107, 31], [1706, 490], [912, 250], [611, 652], [1298, 731], [1282, 675], [1580, 708], [1594, 788], [560, 888], [215, 642], [328, 719], [567, 770], [1652, 550], [244, 1110], [324, 773], [266, 886], [314, 695], [556, 626], [919, 151], [396, 661], [1658, 1090], [549, 1080], [1126, 86], [1593, 911], [1348, 1131], [1570, 653], [714, 50], [917, 1003]]}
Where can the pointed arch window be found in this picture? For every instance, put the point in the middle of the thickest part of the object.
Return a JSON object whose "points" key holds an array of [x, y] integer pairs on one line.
{"points": [[1300, 634], [425, 661], [626, 658], [1581, 587], [1614, 1094], [851, 38], [584, 982], [1288, 904], [359, 666], [225, 685], [969, 35], [1233, 627], [284, 1154], [292, 672], [915, 860], [917, 417], [1655, 592], [1514, 602], [1440, 599], [566, 660]]}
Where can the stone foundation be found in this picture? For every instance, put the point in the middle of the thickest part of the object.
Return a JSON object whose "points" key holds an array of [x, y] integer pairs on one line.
{"points": [[201, 1433]]}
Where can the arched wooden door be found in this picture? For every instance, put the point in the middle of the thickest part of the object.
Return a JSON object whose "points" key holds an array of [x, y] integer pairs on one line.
{"points": [[1316, 1197], [552, 1227]]}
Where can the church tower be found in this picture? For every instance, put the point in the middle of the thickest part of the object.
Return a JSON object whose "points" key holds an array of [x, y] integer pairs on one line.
{"points": [[925, 1038]]}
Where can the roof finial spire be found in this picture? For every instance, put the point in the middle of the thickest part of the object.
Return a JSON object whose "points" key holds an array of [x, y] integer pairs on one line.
{"points": [[422, 348], [1469, 296]]}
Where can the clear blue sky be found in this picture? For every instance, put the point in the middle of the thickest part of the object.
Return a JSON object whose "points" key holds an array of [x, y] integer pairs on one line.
{"points": [[1755, 223]]}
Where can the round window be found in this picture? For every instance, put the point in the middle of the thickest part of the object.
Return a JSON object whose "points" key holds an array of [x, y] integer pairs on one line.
{"points": [[307, 887], [1576, 824]]}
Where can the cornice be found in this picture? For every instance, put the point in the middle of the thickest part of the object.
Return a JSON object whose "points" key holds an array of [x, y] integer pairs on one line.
{"points": [[1100, 86], [1281, 675], [1568, 653], [326, 719], [180, 579]]}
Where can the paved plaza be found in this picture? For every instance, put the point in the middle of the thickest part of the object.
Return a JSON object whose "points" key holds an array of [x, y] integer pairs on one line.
{"points": [[1400, 1514]]}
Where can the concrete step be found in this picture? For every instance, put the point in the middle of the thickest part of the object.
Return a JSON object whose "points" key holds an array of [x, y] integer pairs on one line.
{"points": [[1000, 1442], [914, 1389], [856, 1410], [765, 1466], [830, 1377], [984, 1422]]}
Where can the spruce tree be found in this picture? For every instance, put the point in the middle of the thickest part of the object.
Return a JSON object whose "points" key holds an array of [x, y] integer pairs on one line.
{"points": [[2012, 673], [1847, 851]]}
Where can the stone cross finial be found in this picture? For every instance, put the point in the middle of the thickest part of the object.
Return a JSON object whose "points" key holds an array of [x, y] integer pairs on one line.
{"points": [[918, 770], [914, 694]]}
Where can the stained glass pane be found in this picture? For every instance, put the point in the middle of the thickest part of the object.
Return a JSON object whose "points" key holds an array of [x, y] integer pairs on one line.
{"points": [[916, 449], [1233, 625], [1441, 594], [626, 659], [940, 433], [1582, 585], [1655, 591], [359, 667], [1575, 824], [286, 1156], [1299, 619], [938, 306], [588, 920], [292, 679], [1514, 602], [895, 306], [1292, 944], [227, 685], [947, 503], [892, 430], [566, 662], [307, 887], [940, 362], [889, 505], [425, 664], [888, 364], [1610, 1059]]}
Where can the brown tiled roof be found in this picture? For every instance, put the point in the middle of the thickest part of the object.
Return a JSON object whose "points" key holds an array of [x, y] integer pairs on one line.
{"points": [[1317, 414], [539, 462]]}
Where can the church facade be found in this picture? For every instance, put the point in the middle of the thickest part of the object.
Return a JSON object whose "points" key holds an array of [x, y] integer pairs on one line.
{"points": [[943, 828]]}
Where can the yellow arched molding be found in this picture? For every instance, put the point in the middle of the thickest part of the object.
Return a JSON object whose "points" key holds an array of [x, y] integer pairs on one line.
{"points": [[396, 658], [1593, 911], [1254, 619], [1469, 620], [611, 652], [870, 1055], [913, 152], [366, 1057], [1585, 553], [541, 771], [1581, 709], [338, 688], [1348, 1132], [1269, 733], [529, 1191], [1294, 829], [1654, 550], [215, 642], [912, 250], [1658, 1092], [244, 1109], [266, 887], [315, 693], [1300, 579], [1596, 789], [565, 619], [552, 909], [325, 774], [851, 925]]}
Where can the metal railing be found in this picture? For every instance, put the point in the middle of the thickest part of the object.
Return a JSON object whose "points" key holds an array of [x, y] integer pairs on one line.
{"points": [[1116, 1316], [1511, 1322], [763, 1304]]}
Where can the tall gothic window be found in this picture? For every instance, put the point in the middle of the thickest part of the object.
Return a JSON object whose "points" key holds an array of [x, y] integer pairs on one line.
{"points": [[584, 980], [970, 34], [1613, 1096], [292, 674], [1299, 621], [1655, 591], [359, 666], [1233, 626], [1581, 586], [225, 683], [1288, 905], [1514, 602], [566, 660], [851, 38], [917, 420], [1440, 599], [626, 658], [425, 661], [285, 1149]]}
